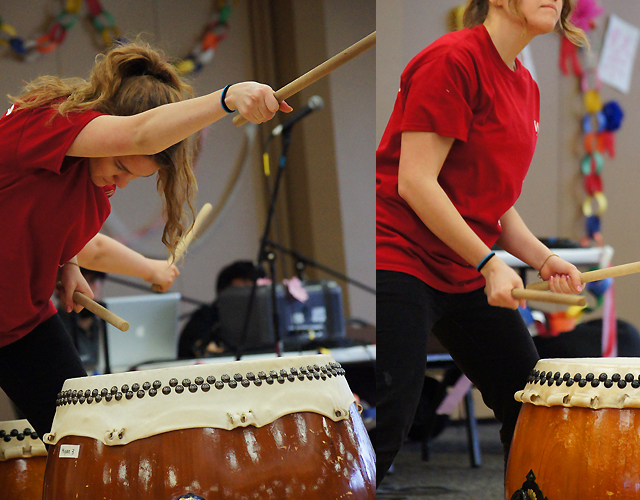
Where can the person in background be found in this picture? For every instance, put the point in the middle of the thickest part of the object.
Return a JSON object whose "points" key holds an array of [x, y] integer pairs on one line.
{"points": [[86, 329], [200, 337]]}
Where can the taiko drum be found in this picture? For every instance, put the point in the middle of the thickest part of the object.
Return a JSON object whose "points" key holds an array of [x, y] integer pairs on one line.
{"points": [[22, 461], [578, 432], [275, 428]]}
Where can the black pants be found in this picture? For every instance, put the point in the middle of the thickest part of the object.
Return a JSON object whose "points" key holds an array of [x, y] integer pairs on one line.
{"points": [[491, 345], [33, 369]]}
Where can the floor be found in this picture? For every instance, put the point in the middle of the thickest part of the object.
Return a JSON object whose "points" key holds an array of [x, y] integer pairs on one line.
{"points": [[448, 474]]}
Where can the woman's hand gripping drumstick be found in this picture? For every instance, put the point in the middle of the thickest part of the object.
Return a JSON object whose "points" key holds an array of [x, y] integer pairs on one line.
{"points": [[319, 72], [100, 311], [200, 225], [599, 274]]}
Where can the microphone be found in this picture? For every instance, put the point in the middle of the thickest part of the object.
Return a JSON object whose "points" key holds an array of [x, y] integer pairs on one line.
{"points": [[315, 102]]}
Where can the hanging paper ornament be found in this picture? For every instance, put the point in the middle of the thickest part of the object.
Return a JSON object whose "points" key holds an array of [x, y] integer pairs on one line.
{"points": [[592, 230], [606, 143], [592, 101], [594, 122], [613, 114], [585, 14], [592, 163], [601, 206], [592, 184], [569, 54], [598, 288]]}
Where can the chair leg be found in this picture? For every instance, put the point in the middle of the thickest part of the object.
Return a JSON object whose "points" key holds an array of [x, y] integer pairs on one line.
{"points": [[472, 431], [424, 449]]}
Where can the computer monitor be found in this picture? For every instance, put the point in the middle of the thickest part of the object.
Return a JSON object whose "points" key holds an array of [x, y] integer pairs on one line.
{"points": [[320, 318], [152, 333]]}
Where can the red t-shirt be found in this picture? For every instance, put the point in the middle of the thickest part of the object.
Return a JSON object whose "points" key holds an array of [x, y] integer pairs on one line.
{"points": [[457, 87], [50, 210]]}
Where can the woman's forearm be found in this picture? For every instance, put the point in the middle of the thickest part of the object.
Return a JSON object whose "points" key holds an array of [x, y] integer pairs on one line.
{"points": [[157, 129], [110, 256], [519, 241]]}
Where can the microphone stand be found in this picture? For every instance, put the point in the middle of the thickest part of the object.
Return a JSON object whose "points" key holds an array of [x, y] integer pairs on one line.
{"points": [[269, 256]]}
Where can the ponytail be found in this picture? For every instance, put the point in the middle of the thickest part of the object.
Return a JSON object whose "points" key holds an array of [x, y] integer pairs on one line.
{"points": [[127, 80]]}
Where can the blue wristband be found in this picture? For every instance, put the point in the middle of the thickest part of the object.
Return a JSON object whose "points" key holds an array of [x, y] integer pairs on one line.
{"points": [[484, 261], [222, 97]]}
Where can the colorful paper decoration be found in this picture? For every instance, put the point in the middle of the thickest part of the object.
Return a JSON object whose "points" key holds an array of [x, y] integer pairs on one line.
{"points": [[105, 26]]}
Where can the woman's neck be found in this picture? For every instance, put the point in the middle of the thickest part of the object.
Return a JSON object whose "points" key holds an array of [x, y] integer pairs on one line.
{"points": [[508, 36]]}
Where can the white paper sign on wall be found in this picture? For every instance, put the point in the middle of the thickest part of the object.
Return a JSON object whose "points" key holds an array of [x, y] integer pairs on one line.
{"points": [[618, 53]]}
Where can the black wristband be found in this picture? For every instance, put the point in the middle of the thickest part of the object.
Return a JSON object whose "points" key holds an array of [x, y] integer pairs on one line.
{"points": [[222, 97]]}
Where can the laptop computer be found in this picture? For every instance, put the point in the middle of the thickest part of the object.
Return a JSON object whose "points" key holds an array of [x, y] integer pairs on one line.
{"points": [[152, 333]]}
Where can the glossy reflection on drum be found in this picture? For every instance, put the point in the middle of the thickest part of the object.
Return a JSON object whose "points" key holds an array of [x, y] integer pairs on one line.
{"points": [[578, 432], [274, 428], [22, 461]]}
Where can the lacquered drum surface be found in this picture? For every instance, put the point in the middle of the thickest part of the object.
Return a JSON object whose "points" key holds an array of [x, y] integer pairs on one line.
{"points": [[303, 455], [296, 434], [22, 461], [578, 432]]}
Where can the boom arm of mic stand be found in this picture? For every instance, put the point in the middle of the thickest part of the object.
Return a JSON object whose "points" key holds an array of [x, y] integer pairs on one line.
{"points": [[322, 267]]}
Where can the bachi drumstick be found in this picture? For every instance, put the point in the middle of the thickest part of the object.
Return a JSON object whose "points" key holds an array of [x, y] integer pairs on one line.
{"points": [[100, 311], [555, 298], [598, 274], [318, 72], [200, 225]]}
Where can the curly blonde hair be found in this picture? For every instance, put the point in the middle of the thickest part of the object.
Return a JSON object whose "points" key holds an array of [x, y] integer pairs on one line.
{"points": [[129, 79], [477, 10]]}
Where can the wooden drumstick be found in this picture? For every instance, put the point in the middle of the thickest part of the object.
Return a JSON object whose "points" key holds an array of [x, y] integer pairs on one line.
{"points": [[318, 72], [598, 274], [100, 311], [200, 225], [555, 298]]}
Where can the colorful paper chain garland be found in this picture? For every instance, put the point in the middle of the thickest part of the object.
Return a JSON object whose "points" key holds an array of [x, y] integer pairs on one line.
{"points": [[104, 23], [599, 123]]}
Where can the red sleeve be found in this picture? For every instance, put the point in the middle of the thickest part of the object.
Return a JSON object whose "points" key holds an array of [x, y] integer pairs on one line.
{"points": [[42, 142], [438, 96]]}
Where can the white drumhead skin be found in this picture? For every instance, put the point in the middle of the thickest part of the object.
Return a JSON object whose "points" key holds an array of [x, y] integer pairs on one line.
{"points": [[584, 382], [19, 445], [243, 394]]}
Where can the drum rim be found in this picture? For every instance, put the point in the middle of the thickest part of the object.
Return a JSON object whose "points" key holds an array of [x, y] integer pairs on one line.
{"points": [[117, 420], [583, 382]]}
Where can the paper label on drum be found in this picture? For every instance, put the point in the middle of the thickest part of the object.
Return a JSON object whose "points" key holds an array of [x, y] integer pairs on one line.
{"points": [[69, 451]]}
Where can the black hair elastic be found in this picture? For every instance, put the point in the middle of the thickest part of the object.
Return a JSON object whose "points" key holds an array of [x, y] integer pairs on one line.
{"points": [[222, 98], [484, 261]]}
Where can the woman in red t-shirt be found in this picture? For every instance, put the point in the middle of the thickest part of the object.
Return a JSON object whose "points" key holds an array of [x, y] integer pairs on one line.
{"points": [[449, 168], [66, 145]]}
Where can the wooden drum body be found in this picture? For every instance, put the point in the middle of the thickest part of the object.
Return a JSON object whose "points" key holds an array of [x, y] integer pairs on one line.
{"points": [[578, 432], [23, 458], [269, 429]]}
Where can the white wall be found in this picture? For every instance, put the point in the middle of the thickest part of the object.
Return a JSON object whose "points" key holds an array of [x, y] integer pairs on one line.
{"points": [[353, 89]]}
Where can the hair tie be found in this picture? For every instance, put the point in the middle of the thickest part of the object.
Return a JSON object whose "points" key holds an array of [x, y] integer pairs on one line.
{"points": [[222, 98], [484, 261]]}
